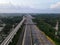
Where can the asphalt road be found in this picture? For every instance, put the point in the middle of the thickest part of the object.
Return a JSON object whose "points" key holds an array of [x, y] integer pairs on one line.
{"points": [[34, 36], [27, 40]]}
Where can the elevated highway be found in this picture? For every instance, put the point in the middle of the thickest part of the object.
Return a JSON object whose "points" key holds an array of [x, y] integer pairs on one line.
{"points": [[11, 35]]}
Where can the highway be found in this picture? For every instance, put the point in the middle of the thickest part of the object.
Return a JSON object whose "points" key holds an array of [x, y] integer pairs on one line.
{"points": [[34, 36], [31, 35], [27, 40]]}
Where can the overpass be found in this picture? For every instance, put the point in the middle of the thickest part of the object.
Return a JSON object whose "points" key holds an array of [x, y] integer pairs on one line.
{"points": [[11, 35]]}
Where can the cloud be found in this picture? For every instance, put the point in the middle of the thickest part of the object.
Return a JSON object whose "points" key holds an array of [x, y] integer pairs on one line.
{"points": [[4, 2], [56, 5]]}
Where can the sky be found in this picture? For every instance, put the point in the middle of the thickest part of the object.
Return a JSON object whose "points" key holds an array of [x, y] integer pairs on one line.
{"points": [[34, 4]]}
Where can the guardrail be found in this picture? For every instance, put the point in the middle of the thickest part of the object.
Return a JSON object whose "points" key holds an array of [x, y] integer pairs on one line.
{"points": [[11, 35]]}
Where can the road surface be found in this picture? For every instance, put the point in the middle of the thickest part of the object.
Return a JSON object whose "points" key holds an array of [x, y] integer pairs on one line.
{"points": [[34, 36]]}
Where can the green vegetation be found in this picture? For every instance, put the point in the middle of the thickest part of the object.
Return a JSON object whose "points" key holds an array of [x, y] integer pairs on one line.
{"points": [[10, 23], [7, 29], [47, 22], [11, 20]]}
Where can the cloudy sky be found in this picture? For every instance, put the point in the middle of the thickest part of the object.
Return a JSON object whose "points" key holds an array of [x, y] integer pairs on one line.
{"points": [[39, 5]]}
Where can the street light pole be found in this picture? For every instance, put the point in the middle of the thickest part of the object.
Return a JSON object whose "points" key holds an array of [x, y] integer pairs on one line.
{"points": [[56, 28]]}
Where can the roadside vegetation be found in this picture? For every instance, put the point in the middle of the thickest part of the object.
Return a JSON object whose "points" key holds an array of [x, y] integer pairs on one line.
{"points": [[10, 23], [47, 22]]}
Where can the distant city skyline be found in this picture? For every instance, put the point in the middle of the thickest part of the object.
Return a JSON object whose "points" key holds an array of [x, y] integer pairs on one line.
{"points": [[53, 6]]}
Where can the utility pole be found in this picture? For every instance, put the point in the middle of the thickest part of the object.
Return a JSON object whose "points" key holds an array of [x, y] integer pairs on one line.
{"points": [[56, 32]]}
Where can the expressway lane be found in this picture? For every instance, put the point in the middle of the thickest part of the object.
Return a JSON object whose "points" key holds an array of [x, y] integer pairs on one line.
{"points": [[39, 38], [27, 40], [34, 36]]}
